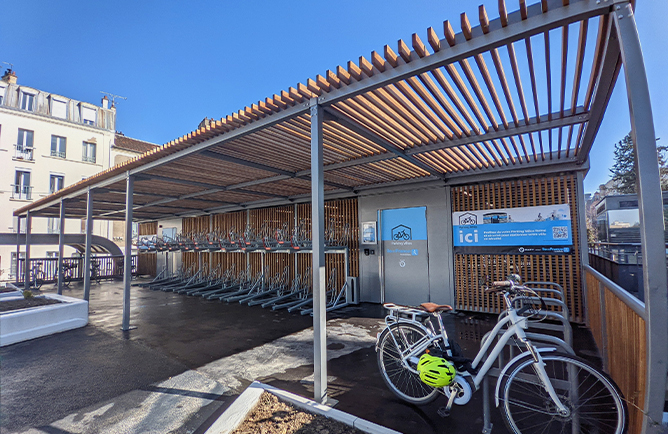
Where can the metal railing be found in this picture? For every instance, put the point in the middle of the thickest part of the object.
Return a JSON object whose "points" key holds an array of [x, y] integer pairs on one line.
{"points": [[617, 321], [59, 154], [21, 191], [110, 267], [22, 152], [88, 158]]}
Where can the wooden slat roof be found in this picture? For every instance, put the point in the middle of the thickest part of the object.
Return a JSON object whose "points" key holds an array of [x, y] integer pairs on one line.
{"points": [[511, 93]]}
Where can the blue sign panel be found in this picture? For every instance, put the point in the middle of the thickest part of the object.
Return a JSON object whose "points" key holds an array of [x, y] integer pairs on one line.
{"points": [[540, 229], [404, 224]]}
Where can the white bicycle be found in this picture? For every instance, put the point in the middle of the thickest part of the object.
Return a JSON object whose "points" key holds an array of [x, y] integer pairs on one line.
{"points": [[541, 390]]}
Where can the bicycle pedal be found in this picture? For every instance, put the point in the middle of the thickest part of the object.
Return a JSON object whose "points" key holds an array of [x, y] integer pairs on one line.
{"points": [[443, 412]]}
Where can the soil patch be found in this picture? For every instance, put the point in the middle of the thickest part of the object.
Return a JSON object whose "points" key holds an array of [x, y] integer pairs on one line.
{"points": [[9, 305], [272, 416]]}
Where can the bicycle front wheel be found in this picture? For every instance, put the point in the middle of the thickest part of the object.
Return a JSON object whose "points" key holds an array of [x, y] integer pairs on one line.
{"points": [[403, 381], [593, 400], [39, 279]]}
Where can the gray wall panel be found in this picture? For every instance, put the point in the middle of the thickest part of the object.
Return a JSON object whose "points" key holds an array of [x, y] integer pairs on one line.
{"points": [[441, 278]]}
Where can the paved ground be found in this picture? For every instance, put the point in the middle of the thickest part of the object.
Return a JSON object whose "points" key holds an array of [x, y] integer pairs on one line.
{"points": [[189, 358]]}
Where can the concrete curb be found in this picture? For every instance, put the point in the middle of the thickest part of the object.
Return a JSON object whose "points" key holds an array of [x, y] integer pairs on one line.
{"points": [[236, 413], [35, 322]]}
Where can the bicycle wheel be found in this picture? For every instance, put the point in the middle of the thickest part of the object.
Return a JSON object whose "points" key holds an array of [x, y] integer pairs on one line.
{"points": [[67, 278], [403, 382], [39, 279], [594, 402]]}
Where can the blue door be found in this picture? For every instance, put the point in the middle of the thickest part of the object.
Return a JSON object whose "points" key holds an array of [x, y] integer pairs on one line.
{"points": [[405, 260]]}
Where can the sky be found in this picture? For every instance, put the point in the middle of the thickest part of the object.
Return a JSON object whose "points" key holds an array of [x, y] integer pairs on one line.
{"points": [[178, 62]]}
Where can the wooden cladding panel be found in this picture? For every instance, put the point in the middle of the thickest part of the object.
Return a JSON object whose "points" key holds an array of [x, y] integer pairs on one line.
{"points": [[148, 228], [223, 223], [562, 269], [594, 319], [627, 355], [147, 264], [338, 214], [196, 225]]}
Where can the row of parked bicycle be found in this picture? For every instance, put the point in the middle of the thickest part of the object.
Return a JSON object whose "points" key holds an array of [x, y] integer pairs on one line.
{"points": [[275, 291], [250, 239]]}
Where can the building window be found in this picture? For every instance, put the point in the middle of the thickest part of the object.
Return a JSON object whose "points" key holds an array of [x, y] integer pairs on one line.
{"points": [[12, 270], [27, 101], [53, 225], [88, 115], [56, 182], [51, 254], [21, 188], [2, 94], [58, 108], [58, 146], [89, 153], [23, 147]]}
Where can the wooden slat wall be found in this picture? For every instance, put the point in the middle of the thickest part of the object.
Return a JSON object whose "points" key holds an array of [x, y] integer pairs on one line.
{"points": [[625, 344], [147, 264], [341, 211], [196, 225], [148, 228], [562, 269]]}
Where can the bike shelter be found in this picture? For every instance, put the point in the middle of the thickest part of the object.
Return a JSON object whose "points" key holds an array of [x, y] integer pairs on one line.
{"points": [[453, 125]]}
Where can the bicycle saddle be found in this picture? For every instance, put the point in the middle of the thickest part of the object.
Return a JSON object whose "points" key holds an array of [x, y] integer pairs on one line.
{"points": [[433, 307]]}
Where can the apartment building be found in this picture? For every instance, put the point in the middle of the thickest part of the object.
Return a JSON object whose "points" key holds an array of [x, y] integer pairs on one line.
{"points": [[48, 141]]}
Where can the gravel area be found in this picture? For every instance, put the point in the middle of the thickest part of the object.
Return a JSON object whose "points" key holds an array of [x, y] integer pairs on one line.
{"points": [[272, 416], [9, 305]]}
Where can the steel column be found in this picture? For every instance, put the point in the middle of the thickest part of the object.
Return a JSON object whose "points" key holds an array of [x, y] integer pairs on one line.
{"points": [[127, 268], [61, 246], [650, 205], [89, 239], [18, 248], [318, 255], [26, 262]]}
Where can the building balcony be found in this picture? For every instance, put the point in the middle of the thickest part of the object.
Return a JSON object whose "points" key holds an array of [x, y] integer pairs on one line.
{"points": [[21, 192], [24, 153]]}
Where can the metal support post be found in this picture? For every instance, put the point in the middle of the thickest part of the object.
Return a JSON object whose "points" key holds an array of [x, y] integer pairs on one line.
{"points": [[26, 262], [61, 247], [89, 239], [127, 268], [318, 256], [650, 205], [18, 248]]}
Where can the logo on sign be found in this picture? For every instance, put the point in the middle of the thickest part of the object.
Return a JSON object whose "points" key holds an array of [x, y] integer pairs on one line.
{"points": [[414, 252], [471, 237], [402, 264], [467, 219], [402, 232]]}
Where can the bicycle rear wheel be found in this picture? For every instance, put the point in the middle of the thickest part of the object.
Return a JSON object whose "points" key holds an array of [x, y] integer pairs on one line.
{"points": [[403, 382], [594, 402]]}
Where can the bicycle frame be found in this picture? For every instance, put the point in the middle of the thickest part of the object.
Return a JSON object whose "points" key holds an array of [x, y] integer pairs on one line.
{"points": [[516, 325]]}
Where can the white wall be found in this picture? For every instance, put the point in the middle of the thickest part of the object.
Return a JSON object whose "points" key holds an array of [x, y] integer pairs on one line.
{"points": [[42, 166]]}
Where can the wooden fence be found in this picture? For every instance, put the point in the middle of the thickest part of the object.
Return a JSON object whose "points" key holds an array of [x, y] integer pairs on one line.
{"points": [[617, 321], [562, 269]]}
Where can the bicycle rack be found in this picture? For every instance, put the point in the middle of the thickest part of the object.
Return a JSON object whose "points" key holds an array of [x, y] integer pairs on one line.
{"points": [[540, 339]]}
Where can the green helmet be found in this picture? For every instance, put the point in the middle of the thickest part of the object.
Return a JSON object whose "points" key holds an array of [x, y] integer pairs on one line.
{"points": [[436, 371]]}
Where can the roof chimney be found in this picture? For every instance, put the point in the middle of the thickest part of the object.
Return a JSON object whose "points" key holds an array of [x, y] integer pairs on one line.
{"points": [[105, 102], [9, 77]]}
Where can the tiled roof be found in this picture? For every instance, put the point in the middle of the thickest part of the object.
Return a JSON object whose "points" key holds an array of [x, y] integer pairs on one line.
{"points": [[133, 145]]}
